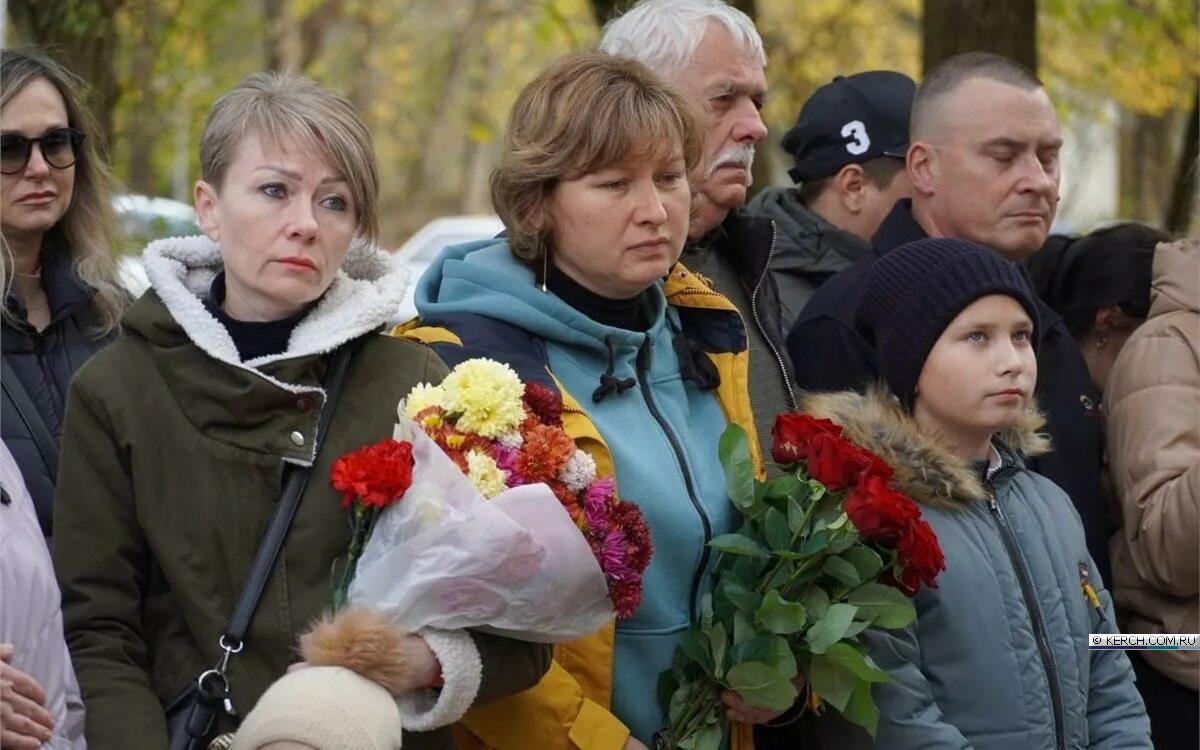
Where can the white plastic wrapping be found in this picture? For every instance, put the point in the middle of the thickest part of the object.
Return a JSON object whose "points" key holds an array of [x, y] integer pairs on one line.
{"points": [[446, 557]]}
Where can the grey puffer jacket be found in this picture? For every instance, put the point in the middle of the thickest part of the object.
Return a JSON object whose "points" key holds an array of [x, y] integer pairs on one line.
{"points": [[998, 656]]}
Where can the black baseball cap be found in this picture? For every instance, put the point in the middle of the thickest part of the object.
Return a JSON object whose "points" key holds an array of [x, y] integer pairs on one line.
{"points": [[851, 120]]}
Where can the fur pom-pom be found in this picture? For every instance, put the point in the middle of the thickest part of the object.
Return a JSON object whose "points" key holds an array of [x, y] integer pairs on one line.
{"points": [[365, 642]]}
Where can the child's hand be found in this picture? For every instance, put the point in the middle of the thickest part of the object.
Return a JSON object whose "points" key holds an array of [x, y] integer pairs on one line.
{"points": [[25, 721]]}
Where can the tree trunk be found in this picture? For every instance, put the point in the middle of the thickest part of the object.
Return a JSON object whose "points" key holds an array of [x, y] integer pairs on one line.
{"points": [[143, 130], [81, 35], [1008, 27], [274, 34], [1182, 208], [606, 10], [1147, 158]]}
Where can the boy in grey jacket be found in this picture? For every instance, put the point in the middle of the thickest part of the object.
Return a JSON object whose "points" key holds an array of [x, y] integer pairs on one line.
{"points": [[998, 657]]}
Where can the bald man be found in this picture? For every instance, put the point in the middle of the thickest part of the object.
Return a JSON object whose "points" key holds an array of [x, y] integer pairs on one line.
{"points": [[984, 166]]}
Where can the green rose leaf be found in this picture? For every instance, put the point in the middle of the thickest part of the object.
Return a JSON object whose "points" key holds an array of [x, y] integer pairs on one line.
{"points": [[734, 452], [739, 544], [716, 643], [761, 686], [775, 528], [744, 599], [783, 487], [795, 511], [816, 602], [842, 570], [865, 560], [831, 628], [781, 658], [694, 644], [781, 616], [861, 709], [708, 738], [832, 681], [883, 606], [852, 659], [815, 544], [743, 630]]}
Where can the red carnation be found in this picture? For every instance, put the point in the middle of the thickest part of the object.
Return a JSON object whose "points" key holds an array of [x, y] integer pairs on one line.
{"points": [[544, 402], [375, 475], [879, 512], [921, 557]]}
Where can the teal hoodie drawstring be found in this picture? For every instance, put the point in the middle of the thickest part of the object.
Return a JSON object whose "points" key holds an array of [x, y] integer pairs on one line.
{"points": [[609, 383]]}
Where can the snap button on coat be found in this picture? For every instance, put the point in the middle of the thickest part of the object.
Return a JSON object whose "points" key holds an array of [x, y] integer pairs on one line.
{"points": [[297, 439]]}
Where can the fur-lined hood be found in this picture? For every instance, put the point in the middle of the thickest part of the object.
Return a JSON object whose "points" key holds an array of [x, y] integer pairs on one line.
{"points": [[926, 470], [364, 295]]}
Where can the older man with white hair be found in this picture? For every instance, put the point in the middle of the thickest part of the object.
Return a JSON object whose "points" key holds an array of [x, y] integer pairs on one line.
{"points": [[713, 53]]}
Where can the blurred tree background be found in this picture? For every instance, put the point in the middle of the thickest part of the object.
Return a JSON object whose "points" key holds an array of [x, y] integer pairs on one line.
{"points": [[435, 78]]}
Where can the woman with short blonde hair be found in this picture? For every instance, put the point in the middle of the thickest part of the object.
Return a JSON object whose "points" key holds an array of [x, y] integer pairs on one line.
{"points": [[254, 360]]}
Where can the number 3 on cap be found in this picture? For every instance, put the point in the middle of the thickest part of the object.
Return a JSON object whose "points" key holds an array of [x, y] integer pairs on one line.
{"points": [[857, 140]]}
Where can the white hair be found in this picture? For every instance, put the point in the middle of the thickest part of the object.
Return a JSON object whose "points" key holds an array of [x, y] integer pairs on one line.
{"points": [[663, 34]]}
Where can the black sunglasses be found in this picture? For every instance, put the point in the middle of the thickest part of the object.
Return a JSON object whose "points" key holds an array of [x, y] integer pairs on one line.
{"points": [[60, 148]]}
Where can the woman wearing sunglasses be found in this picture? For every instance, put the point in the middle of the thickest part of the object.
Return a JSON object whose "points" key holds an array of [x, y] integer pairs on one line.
{"points": [[61, 298], [60, 306]]}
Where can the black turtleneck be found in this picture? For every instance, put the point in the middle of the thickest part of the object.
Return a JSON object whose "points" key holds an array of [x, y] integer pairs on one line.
{"points": [[630, 314], [252, 339]]}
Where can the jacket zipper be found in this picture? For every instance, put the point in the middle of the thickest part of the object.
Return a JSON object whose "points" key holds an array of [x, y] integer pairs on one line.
{"points": [[1035, 616], [787, 382], [643, 383]]}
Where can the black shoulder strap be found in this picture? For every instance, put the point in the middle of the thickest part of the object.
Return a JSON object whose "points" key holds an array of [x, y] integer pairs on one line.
{"points": [[294, 483], [30, 416]]}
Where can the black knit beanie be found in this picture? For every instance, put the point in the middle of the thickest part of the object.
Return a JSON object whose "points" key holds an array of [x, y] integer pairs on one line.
{"points": [[915, 291]]}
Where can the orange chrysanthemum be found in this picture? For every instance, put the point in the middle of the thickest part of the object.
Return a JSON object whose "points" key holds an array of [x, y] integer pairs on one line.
{"points": [[544, 453]]}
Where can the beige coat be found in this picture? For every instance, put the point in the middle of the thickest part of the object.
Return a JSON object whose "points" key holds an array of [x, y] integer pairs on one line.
{"points": [[1153, 397]]}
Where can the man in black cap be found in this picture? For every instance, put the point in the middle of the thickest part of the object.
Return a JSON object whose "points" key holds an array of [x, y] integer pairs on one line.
{"points": [[849, 145]]}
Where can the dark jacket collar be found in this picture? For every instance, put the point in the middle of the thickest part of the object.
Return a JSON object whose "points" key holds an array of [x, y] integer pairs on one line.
{"points": [[747, 241], [898, 228], [806, 243], [65, 291]]}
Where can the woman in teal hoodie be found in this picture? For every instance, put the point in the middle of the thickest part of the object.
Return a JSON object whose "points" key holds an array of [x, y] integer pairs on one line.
{"points": [[584, 294]]}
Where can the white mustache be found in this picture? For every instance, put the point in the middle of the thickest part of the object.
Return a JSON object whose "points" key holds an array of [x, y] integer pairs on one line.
{"points": [[737, 155]]}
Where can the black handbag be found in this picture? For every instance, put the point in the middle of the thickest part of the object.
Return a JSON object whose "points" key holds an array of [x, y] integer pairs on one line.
{"points": [[192, 715]]}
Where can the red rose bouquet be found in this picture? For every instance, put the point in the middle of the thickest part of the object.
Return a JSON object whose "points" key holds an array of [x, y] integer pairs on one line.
{"points": [[506, 523], [825, 552]]}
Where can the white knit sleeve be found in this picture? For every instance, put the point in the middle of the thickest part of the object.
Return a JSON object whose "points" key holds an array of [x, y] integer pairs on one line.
{"points": [[462, 670]]}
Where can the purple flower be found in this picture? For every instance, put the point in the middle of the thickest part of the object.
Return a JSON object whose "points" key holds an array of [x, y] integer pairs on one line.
{"points": [[612, 557], [506, 459], [597, 499]]}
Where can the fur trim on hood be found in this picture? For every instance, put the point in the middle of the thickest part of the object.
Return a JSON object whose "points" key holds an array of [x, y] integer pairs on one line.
{"points": [[364, 295], [925, 469]]}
